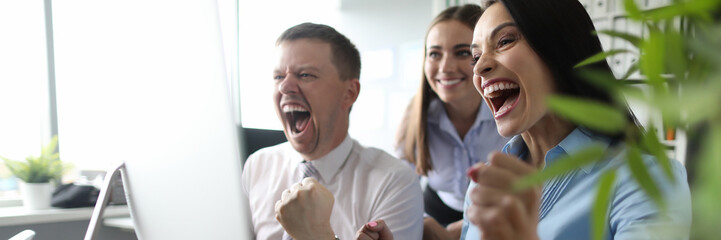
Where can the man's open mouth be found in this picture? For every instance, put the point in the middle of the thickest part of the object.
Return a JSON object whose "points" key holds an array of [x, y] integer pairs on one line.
{"points": [[502, 94], [298, 117]]}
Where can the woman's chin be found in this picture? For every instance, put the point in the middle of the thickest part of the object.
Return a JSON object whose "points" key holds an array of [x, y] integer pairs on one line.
{"points": [[507, 129]]}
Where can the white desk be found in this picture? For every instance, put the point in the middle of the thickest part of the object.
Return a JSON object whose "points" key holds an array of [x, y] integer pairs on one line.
{"points": [[125, 223], [11, 216]]}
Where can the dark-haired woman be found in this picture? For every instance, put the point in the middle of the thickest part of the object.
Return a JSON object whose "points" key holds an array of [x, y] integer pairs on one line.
{"points": [[447, 128], [523, 52]]}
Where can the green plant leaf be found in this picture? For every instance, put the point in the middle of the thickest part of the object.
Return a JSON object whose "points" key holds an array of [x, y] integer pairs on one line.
{"points": [[600, 206], [642, 177], [54, 157], [696, 103], [706, 191], [698, 8], [634, 92], [706, 44], [631, 69], [19, 169], [600, 79], [665, 12], [51, 147], [703, 49], [600, 57], [652, 63], [676, 61], [632, 9], [41, 169], [592, 114], [633, 39], [650, 142], [588, 155]]}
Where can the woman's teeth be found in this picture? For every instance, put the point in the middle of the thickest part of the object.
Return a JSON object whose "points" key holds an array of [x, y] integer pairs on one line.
{"points": [[492, 90], [449, 82]]}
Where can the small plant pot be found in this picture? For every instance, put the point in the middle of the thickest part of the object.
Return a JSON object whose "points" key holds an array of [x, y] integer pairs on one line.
{"points": [[36, 195]]}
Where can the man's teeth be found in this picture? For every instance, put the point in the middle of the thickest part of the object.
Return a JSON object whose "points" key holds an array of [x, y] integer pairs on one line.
{"points": [[488, 90], [449, 82], [291, 108]]}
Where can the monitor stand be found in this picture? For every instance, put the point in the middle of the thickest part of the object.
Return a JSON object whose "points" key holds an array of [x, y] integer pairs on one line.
{"points": [[103, 200]]}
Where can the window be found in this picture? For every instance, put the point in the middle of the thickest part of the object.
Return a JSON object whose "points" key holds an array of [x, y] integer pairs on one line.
{"points": [[85, 60], [80, 55], [23, 86], [258, 32]]}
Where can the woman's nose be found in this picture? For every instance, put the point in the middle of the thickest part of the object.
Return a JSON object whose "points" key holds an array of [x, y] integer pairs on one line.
{"points": [[484, 66], [448, 64]]}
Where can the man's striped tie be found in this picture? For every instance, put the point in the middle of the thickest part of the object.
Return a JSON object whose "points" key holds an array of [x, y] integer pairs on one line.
{"points": [[307, 170]]}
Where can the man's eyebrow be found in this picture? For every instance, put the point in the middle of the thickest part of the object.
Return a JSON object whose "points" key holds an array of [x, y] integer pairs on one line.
{"points": [[309, 68], [299, 69]]}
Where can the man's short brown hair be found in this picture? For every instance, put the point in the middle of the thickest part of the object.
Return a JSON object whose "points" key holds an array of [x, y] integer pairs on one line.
{"points": [[345, 55]]}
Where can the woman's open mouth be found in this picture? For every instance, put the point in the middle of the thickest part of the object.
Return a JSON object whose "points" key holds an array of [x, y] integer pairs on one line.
{"points": [[449, 83], [503, 96], [297, 117]]}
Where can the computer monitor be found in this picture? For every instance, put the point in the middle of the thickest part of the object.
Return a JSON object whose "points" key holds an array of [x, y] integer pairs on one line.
{"points": [[174, 126]]}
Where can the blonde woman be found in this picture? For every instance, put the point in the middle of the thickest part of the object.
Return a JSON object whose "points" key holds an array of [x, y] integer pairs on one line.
{"points": [[447, 128]]}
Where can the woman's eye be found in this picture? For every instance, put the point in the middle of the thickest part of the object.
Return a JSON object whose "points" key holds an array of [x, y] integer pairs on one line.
{"points": [[505, 41], [433, 55], [463, 53], [475, 60]]}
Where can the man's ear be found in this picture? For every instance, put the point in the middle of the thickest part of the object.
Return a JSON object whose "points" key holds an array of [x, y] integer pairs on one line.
{"points": [[352, 91]]}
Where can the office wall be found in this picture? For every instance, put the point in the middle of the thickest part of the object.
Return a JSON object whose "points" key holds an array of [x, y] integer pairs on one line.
{"points": [[389, 35]]}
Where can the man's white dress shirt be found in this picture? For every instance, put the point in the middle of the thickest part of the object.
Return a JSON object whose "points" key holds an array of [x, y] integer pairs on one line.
{"points": [[367, 183]]}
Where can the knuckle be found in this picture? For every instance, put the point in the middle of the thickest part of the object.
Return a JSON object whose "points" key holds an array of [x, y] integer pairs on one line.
{"points": [[476, 192], [478, 196], [492, 219], [474, 216], [494, 156], [508, 203]]}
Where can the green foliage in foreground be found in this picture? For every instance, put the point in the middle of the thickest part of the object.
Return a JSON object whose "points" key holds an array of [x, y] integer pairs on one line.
{"points": [[679, 59]]}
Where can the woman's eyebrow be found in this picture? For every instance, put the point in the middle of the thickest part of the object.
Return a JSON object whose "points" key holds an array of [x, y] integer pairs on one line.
{"points": [[462, 45], [495, 31], [501, 26]]}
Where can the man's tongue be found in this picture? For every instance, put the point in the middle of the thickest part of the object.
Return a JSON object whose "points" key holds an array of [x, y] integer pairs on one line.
{"points": [[301, 121]]}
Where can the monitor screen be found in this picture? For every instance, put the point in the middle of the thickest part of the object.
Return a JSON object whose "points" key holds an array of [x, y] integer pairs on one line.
{"points": [[172, 121]]}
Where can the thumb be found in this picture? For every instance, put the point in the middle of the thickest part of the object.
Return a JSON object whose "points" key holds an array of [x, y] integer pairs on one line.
{"points": [[381, 228]]}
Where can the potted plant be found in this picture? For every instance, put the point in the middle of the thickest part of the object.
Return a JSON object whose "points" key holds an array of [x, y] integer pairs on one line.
{"points": [[36, 174]]}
